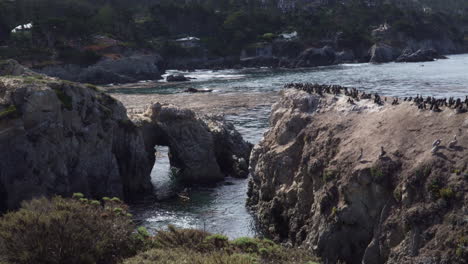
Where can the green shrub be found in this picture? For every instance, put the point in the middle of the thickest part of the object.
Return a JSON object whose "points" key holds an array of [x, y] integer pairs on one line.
{"points": [[180, 238], [219, 241], [62, 230], [66, 100], [182, 256], [116, 200], [329, 175], [194, 246], [78, 195], [446, 193], [246, 244], [10, 111], [462, 247], [435, 187], [377, 174]]}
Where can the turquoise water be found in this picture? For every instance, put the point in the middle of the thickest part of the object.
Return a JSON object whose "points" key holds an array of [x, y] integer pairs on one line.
{"points": [[221, 208]]}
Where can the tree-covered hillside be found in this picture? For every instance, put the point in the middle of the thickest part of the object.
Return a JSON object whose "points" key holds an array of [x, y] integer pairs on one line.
{"points": [[61, 28]]}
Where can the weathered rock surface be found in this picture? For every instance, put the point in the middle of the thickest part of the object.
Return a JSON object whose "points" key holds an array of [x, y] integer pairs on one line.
{"points": [[59, 137], [204, 148], [319, 180], [126, 69]]}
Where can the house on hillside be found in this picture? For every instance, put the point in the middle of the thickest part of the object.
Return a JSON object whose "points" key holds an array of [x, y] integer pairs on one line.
{"points": [[289, 35], [20, 28], [189, 42]]}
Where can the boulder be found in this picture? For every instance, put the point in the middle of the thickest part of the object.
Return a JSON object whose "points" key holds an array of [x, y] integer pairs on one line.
{"points": [[320, 180], [177, 78], [380, 53], [313, 57]]}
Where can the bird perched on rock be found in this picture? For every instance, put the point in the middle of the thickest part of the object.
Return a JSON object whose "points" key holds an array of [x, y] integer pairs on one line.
{"points": [[435, 146], [382, 152], [453, 143], [361, 154]]}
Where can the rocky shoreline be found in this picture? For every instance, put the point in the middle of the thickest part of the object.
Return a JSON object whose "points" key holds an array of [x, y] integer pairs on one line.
{"points": [[70, 137], [363, 180]]}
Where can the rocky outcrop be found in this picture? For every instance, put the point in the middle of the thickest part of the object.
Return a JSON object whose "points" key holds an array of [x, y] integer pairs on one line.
{"points": [[393, 44], [11, 67], [313, 57], [358, 182], [59, 137], [126, 69], [380, 53], [420, 55], [204, 148]]}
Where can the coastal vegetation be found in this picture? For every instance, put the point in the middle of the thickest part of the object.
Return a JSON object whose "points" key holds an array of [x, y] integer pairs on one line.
{"points": [[80, 230]]}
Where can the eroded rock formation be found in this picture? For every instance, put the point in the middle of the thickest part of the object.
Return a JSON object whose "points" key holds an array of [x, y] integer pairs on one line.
{"points": [[204, 148], [59, 137], [359, 182]]}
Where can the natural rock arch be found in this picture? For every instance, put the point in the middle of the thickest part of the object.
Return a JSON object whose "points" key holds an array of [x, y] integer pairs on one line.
{"points": [[204, 148]]}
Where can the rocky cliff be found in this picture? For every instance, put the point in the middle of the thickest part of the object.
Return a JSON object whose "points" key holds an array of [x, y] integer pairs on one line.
{"points": [[59, 137], [363, 179]]}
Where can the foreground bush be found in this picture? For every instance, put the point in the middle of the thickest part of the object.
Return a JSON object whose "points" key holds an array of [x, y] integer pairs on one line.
{"points": [[80, 231], [67, 231], [178, 246]]}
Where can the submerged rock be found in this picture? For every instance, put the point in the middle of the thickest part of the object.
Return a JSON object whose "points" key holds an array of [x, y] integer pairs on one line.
{"points": [[177, 78], [358, 183], [193, 90]]}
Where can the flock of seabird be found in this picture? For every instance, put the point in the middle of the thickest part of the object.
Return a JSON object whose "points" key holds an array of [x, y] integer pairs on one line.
{"points": [[431, 103]]}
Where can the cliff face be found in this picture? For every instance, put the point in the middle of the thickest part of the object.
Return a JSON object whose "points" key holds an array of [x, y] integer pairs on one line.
{"points": [[59, 137], [321, 180]]}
